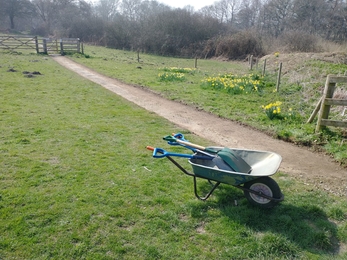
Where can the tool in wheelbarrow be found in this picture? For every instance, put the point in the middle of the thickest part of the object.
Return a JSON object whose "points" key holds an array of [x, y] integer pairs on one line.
{"points": [[228, 155], [161, 153], [179, 136], [259, 189]]}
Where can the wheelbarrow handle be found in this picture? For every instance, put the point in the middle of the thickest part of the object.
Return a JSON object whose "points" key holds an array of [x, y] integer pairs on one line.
{"points": [[161, 153]]}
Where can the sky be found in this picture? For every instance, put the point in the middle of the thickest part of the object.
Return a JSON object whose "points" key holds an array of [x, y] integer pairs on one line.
{"points": [[197, 4]]}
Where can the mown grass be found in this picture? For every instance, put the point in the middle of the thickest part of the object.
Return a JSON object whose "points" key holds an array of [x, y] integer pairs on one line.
{"points": [[298, 98], [76, 182]]}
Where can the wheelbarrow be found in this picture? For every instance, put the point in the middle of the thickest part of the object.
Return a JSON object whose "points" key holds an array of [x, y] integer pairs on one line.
{"points": [[218, 166]]}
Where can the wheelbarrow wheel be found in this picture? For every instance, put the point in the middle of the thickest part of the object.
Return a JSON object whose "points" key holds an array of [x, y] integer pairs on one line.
{"points": [[266, 186]]}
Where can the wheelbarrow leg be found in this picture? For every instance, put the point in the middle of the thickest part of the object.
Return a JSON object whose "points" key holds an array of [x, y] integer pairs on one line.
{"points": [[208, 194], [194, 178]]}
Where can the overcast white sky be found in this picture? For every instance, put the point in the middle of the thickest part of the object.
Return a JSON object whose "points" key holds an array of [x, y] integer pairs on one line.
{"points": [[197, 4]]}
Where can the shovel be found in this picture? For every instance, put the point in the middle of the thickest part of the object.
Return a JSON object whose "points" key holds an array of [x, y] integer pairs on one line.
{"points": [[228, 155]]}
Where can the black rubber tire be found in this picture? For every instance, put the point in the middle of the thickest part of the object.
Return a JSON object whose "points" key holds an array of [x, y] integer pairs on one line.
{"points": [[267, 186]]}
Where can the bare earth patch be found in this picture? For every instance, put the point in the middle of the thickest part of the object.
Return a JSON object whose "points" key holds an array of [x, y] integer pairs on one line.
{"points": [[313, 169]]}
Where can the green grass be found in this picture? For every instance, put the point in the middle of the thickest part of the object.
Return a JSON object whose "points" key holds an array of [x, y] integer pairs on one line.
{"points": [[298, 98], [76, 182]]}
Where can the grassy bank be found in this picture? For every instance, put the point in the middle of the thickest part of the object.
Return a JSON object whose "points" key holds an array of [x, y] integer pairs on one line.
{"points": [[77, 183]]}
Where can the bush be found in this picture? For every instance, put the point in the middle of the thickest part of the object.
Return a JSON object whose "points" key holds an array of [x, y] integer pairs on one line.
{"points": [[238, 46], [299, 41]]}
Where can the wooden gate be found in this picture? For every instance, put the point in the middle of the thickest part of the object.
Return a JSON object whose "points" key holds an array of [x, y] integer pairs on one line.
{"points": [[50, 46], [61, 46], [10, 42]]}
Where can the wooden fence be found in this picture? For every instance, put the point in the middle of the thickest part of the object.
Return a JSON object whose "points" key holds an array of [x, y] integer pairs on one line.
{"points": [[62, 46], [325, 103], [43, 45], [10, 42]]}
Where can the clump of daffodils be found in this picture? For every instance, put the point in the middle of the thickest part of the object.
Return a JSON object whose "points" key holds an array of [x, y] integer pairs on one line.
{"points": [[176, 76], [179, 70], [273, 110], [235, 84]]}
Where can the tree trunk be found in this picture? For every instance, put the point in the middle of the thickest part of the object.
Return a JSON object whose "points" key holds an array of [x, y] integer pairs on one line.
{"points": [[12, 21]]}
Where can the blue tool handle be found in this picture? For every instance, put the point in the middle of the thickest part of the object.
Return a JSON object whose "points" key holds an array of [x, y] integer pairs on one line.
{"points": [[180, 137], [161, 153]]}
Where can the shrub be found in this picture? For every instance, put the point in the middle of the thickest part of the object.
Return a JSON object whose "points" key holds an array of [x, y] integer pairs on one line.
{"points": [[239, 46], [299, 41]]}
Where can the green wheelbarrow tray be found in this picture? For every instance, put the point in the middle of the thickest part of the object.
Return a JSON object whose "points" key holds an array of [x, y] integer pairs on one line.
{"points": [[262, 163]]}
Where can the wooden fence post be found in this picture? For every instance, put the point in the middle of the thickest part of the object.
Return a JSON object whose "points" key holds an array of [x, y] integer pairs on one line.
{"points": [[56, 46], [78, 45], [325, 109], [196, 63], [44, 42], [37, 45], [264, 68], [61, 47], [250, 62], [279, 78], [315, 111]]}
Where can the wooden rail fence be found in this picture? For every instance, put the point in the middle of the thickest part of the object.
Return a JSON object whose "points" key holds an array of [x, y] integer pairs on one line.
{"points": [[62, 45], [48, 45], [325, 103], [10, 42]]}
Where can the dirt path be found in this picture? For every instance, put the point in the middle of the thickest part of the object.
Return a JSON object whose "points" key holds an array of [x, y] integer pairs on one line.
{"points": [[316, 170]]}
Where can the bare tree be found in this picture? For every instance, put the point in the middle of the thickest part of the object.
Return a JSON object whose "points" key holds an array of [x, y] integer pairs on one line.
{"points": [[336, 22], [130, 9], [16, 9], [107, 9], [46, 10], [231, 7], [309, 15], [276, 16]]}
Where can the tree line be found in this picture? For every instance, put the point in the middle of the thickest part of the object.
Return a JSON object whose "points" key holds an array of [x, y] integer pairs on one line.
{"points": [[231, 28]]}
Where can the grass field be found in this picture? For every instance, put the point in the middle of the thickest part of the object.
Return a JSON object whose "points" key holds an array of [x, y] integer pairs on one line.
{"points": [[76, 182]]}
